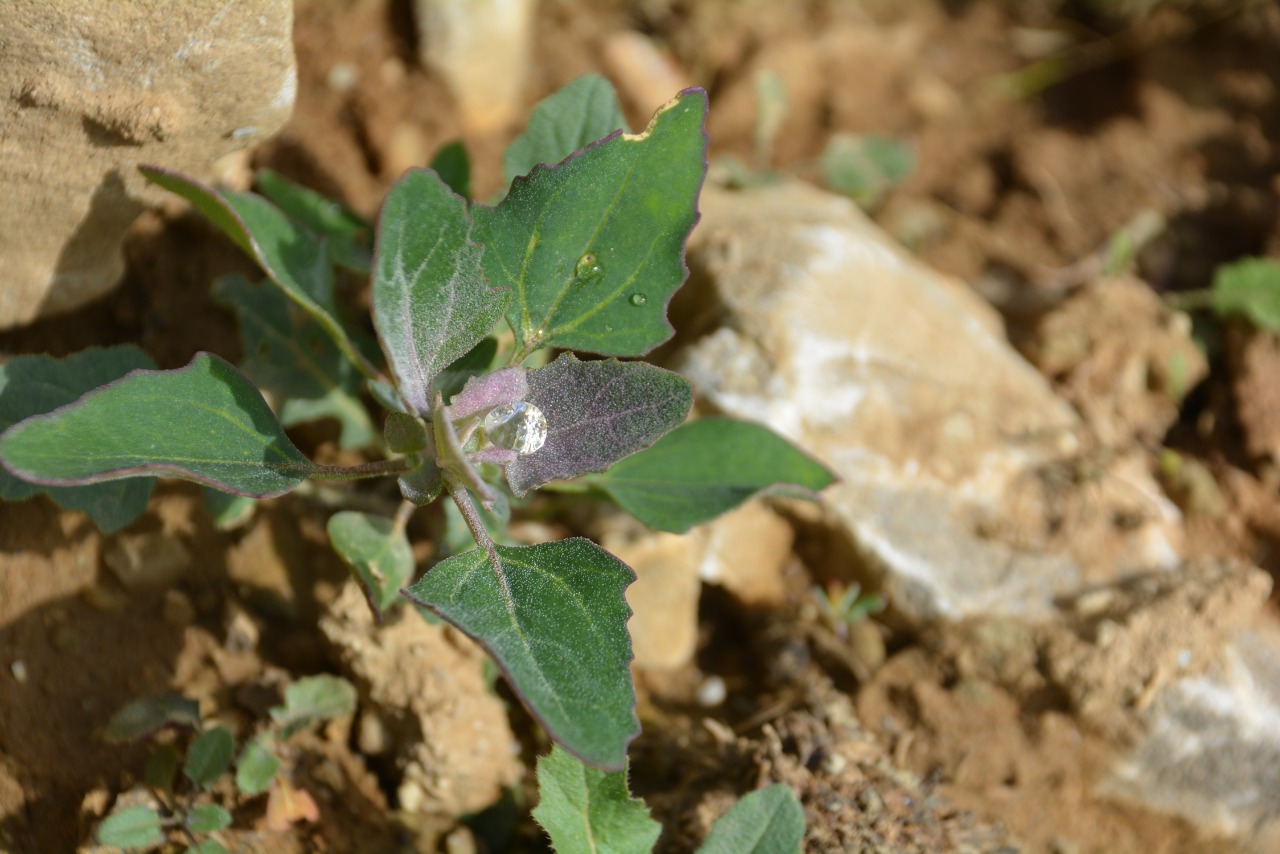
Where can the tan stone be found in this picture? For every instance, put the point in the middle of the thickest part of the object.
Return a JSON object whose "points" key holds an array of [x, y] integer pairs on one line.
{"points": [[745, 551], [92, 89], [481, 48], [664, 597], [426, 683]]}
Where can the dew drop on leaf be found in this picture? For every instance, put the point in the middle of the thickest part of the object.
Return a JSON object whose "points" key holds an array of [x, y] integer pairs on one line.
{"points": [[588, 270], [519, 427], [639, 299]]}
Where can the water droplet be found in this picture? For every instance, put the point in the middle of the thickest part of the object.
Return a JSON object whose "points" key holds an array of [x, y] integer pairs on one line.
{"points": [[519, 427], [639, 299], [588, 269], [608, 329]]}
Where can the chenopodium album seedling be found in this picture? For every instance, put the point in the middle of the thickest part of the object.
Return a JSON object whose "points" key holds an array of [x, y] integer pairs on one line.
{"points": [[185, 806], [583, 255]]}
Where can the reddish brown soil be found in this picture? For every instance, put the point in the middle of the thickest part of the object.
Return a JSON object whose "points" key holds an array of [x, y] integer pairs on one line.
{"points": [[1175, 114]]}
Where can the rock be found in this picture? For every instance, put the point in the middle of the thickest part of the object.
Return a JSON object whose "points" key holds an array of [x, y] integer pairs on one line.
{"points": [[646, 77], [481, 48], [900, 380], [664, 596], [1211, 753], [90, 91], [151, 559], [744, 551], [1255, 359], [426, 684], [1122, 357]]}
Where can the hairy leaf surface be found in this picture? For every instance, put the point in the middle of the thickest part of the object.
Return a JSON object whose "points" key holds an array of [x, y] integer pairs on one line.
{"points": [[34, 385], [579, 113], [431, 302], [594, 246], [290, 355], [377, 553], [767, 821], [204, 422], [597, 413], [584, 809], [554, 618], [708, 467]]}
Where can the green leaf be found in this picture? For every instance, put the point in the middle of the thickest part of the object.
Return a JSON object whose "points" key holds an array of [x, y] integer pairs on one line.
{"points": [[577, 115], [208, 756], [34, 385], [314, 698], [865, 167], [257, 765], [349, 237], [453, 166], [206, 818], [376, 551], [290, 355], [1250, 287], [586, 810], [554, 618], [708, 467], [290, 255], [767, 821], [431, 303], [131, 827], [227, 511], [204, 422], [475, 361], [594, 247], [207, 846], [597, 413], [162, 768], [143, 717]]}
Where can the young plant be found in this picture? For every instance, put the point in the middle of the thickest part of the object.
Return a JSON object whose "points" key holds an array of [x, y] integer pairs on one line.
{"points": [[185, 807], [468, 302]]}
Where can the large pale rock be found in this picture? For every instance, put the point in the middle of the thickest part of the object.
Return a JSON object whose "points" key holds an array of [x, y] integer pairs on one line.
{"points": [[92, 89], [902, 382], [426, 700], [1212, 750]]}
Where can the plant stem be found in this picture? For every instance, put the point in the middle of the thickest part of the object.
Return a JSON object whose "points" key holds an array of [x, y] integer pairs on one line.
{"points": [[471, 516], [401, 519], [377, 468]]}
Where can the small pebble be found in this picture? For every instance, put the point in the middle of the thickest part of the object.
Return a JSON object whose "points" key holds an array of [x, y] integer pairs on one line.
{"points": [[712, 692], [343, 76], [19, 671]]}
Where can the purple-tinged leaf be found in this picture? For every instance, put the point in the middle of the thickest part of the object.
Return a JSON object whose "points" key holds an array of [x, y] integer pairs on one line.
{"points": [[204, 422], [554, 618], [485, 392], [431, 302], [597, 413]]}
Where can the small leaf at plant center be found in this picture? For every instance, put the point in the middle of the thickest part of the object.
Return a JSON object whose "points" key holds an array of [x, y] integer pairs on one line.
{"points": [[206, 818], [257, 765], [314, 698], [554, 618]]}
